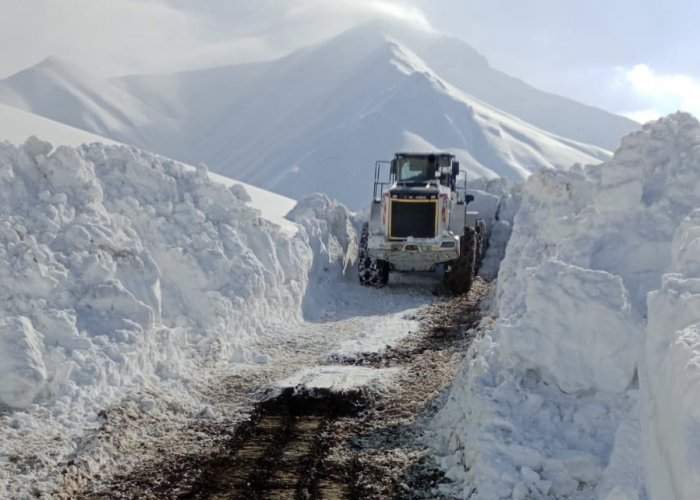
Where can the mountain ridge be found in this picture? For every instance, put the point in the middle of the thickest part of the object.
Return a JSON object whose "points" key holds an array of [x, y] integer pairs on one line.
{"points": [[62, 91], [317, 119]]}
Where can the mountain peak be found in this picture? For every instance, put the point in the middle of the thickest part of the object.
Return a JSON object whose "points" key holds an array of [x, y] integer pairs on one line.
{"points": [[388, 27], [56, 64], [428, 44], [62, 91], [53, 61], [56, 68]]}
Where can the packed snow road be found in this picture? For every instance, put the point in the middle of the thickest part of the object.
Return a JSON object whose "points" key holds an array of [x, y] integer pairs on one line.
{"points": [[337, 411]]}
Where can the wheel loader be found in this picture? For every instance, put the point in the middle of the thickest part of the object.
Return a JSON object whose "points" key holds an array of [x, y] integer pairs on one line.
{"points": [[419, 222]]}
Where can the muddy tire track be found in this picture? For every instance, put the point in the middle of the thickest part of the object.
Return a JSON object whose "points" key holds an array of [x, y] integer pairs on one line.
{"points": [[280, 453]]}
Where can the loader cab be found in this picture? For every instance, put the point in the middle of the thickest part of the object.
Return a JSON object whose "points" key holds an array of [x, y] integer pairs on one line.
{"points": [[412, 172], [410, 169]]}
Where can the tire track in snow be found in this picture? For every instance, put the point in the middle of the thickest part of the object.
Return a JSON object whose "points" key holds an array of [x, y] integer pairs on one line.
{"points": [[319, 444]]}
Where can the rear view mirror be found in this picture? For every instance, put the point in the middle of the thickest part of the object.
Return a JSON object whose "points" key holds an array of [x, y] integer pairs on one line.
{"points": [[392, 169], [455, 168], [468, 198]]}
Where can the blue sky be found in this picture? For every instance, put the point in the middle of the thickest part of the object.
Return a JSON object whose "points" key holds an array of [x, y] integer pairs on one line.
{"points": [[631, 56], [636, 57]]}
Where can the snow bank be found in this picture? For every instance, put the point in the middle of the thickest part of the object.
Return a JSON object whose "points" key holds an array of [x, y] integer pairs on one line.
{"points": [[671, 372], [555, 376], [331, 232], [496, 201], [617, 219], [506, 433], [117, 266]]}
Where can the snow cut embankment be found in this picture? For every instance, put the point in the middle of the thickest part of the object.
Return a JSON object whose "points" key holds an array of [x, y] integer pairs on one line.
{"points": [[548, 403], [333, 238], [117, 266], [671, 372]]}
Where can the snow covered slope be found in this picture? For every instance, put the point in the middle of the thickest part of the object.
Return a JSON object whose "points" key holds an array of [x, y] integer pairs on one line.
{"points": [[344, 104], [317, 119], [61, 91], [17, 126], [325, 128], [458, 63], [584, 369]]}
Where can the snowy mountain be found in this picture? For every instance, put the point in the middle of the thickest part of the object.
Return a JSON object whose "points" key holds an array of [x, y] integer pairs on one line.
{"points": [[66, 93], [458, 63], [330, 125], [318, 119]]}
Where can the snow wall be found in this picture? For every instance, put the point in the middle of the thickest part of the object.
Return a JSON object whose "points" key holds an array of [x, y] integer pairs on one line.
{"points": [[119, 267], [578, 374], [670, 372]]}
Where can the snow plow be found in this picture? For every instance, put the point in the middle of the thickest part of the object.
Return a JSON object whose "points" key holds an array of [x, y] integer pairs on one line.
{"points": [[419, 222]]}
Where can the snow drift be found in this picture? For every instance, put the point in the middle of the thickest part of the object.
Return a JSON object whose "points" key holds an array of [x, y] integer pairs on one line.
{"points": [[548, 403]]}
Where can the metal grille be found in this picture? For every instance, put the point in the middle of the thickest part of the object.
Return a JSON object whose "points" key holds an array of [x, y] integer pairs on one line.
{"points": [[413, 218]]}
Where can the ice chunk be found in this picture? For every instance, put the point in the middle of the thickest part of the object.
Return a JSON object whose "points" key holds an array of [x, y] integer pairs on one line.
{"points": [[577, 328]]}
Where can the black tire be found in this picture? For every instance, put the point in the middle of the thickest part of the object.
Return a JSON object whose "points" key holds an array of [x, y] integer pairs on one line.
{"points": [[372, 272], [482, 244], [459, 274]]}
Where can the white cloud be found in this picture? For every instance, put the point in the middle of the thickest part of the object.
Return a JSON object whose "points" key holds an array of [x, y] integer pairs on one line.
{"points": [[353, 11], [112, 37], [659, 94], [644, 115], [307, 21], [109, 36], [402, 12]]}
